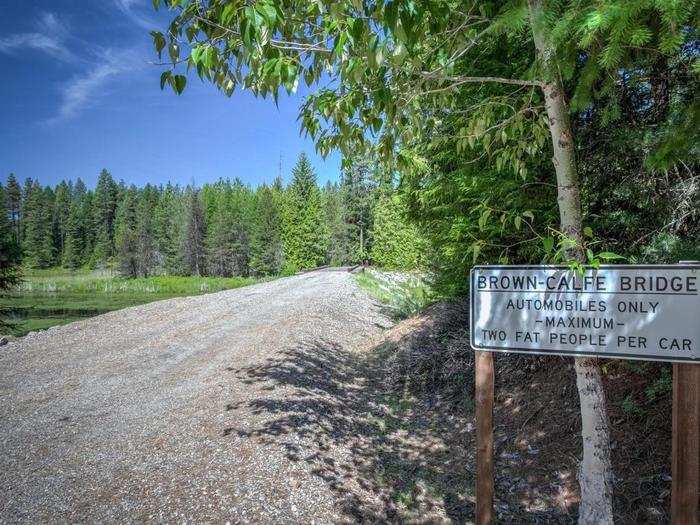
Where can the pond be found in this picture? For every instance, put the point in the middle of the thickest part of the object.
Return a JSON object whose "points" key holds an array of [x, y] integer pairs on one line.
{"points": [[31, 311]]}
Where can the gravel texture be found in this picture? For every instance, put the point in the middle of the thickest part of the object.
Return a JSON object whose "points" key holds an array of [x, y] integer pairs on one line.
{"points": [[187, 410]]}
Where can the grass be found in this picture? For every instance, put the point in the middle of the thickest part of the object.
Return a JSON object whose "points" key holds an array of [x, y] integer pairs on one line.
{"points": [[404, 295], [57, 296]]}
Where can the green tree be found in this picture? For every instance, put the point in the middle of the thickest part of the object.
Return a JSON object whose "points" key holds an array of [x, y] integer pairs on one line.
{"points": [[9, 248], [77, 244], [266, 241], [304, 236], [147, 253], [357, 193], [227, 244], [37, 224], [338, 251], [13, 200], [9, 251], [104, 207], [61, 210], [169, 229], [127, 233], [193, 247], [397, 243], [228, 209]]}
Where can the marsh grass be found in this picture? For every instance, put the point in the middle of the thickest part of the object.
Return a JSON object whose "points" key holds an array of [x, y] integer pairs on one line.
{"points": [[56, 296]]}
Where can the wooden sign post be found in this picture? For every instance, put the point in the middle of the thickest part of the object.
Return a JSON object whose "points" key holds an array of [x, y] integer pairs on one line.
{"points": [[645, 312], [685, 467], [483, 367]]}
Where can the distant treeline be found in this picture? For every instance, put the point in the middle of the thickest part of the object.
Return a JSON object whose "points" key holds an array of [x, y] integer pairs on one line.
{"points": [[222, 229]]}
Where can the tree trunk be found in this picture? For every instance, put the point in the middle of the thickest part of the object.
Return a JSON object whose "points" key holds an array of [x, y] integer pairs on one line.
{"points": [[595, 476]]}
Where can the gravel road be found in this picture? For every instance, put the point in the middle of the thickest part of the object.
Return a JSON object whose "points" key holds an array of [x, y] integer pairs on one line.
{"points": [[192, 409]]}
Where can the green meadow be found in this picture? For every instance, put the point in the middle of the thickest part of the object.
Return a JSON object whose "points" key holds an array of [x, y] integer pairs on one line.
{"points": [[53, 297]]}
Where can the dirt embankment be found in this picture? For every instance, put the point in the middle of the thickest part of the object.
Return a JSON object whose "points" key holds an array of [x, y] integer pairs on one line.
{"points": [[537, 421]]}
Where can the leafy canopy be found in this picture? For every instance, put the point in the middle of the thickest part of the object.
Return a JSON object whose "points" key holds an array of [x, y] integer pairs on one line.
{"points": [[385, 73]]}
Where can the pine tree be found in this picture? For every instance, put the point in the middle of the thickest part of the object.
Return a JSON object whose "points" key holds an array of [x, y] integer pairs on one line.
{"points": [[193, 248], [104, 204], [77, 238], [9, 248], [169, 228], [26, 205], [61, 210], [304, 234], [220, 241], [9, 252], [146, 254], [228, 248], [13, 200], [49, 202], [127, 240], [266, 242], [356, 190], [338, 249], [37, 224], [397, 243]]}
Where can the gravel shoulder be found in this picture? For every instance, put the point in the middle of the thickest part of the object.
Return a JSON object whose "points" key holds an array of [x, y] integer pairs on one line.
{"points": [[190, 409]]}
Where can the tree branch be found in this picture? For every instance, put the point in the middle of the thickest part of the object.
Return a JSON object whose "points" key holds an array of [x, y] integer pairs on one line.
{"points": [[458, 80]]}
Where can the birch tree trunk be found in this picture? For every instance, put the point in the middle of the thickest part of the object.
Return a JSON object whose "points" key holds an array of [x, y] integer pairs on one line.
{"points": [[595, 475]]}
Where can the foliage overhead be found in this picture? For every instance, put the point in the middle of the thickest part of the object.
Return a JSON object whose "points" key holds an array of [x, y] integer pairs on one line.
{"points": [[386, 73]]}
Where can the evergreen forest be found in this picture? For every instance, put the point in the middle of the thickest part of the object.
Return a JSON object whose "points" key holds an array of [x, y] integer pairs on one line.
{"points": [[223, 229]]}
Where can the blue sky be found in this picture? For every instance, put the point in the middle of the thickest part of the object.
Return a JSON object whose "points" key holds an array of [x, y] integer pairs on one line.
{"points": [[79, 94]]}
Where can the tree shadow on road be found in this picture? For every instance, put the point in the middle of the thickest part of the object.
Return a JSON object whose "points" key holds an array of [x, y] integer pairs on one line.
{"points": [[384, 460]]}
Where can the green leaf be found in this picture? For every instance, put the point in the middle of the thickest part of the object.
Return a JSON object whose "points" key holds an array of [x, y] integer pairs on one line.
{"points": [[379, 56], [196, 54], [309, 76], [158, 42], [210, 57], [228, 13], [267, 11], [484, 217], [588, 232], [179, 82], [529, 215], [548, 244], [164, 77], [174, 51], [254, 17]]}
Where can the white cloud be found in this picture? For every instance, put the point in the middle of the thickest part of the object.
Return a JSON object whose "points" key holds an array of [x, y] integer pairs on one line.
{"points": [[50, 23], [80, 91], [127, 7], [86, 89], [49, 37]]}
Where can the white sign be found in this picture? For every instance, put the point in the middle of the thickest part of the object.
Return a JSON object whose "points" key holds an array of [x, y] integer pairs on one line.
{"points": [[628, 312]]}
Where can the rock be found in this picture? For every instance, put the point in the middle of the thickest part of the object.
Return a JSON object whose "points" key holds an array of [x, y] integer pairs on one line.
{"points": [[4, 341]]}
